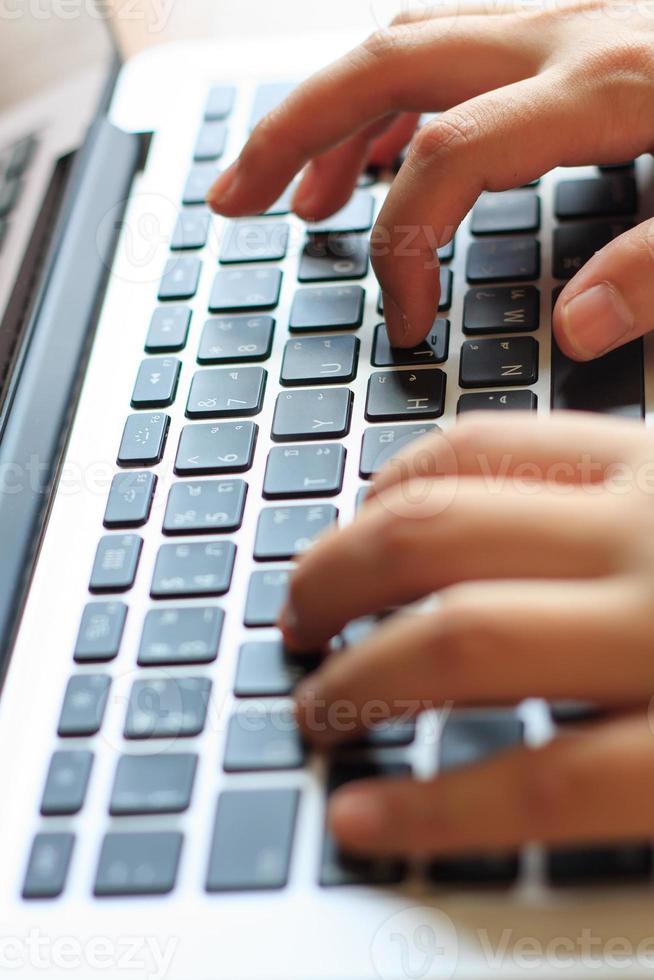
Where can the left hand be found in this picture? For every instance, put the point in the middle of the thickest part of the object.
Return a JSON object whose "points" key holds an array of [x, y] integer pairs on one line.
{"points": [[539, 538]]}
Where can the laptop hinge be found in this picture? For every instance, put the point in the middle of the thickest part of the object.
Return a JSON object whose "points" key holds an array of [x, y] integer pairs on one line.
{"points": [[58, 338]]}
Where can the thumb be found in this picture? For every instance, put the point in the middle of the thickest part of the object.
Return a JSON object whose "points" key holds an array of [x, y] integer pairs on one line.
{"points": [[611, 299]]}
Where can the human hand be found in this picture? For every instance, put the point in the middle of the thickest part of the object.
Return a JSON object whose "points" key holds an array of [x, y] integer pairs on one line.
{"points": [[520, 92]]}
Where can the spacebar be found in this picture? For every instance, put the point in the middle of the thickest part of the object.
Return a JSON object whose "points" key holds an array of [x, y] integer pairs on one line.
{"points": [[611, 385]]}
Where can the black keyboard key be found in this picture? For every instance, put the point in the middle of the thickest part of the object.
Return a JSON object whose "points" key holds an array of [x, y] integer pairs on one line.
{"points": [[144, 439], [116, 560], [184, 635], [506, 211], [47, 868], [596, 865], [497, 401], [267, 593], [220, 101], [100, 631], [574, 712], [200, 178], [236, 338], [181, 277], [267, 97], [156, 382], [260, 738], [503, 259], [446, 252], [191, 229], [433, 350], [393, 733], [327, 308], [252, 839], [66, 782], [304, 471], [623, 165], [405, 394], [501, 309], [339, 868], [84, 705], [284, 532], [576, 243], [153, 783], [21, 156], [138, 863], [597, 196], [130, 499], [610, 385], [245, 289], [10, 189], [206, 507], [316, 413], [266, 669], [356, 216], [254, 241], [220, 392], [446, 278], [320, 360], [194, 569], [326, 257], [210, 142], [168, 329], [381, 444], [172, 707], [227, 447], [492, 363]]}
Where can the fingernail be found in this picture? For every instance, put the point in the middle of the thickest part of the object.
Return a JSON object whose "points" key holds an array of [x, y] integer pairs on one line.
{"points": [[397, 325], [596, 320], [222, 188], [357, 814]]}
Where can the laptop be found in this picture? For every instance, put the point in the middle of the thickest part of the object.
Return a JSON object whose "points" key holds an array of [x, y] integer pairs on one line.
{"points": [[186, 404]]}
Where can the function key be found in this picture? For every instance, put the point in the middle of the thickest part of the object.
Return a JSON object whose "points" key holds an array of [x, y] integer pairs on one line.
{"points": [[284, 532], [493, 363], [100, 631], [210, 142], [191, 229], [195, 569], [168, 329], [501, 309], [156, 382], [597, 196], [245, 289], [266, 669], [116, 560], [219, 392], [200, 178], [188, 634], [130, 499], [503, 259], [506, 211], [356, 216], [206, 507], [172, 707], [266, 595], [405, 394], [320, 360], [236, 338], [327, 257], [433, 350], [381, 444], [497, 401], [144, 439], [327, 308], [261, 739], [84, 705], [180, 278], [66, 782], [153, 784], [47, 868], [227, 447], [576, 243], [220, 101], [315, 413], [304, 471], [254, 241], [138, 863], [252, 839]]}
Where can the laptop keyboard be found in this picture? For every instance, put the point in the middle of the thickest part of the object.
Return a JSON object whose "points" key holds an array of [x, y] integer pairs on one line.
{"points": [[497, 365]]}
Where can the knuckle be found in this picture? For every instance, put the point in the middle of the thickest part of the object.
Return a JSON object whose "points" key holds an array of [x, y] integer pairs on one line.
{"points": [[453, 132], [382, 43], [624, 58]]}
